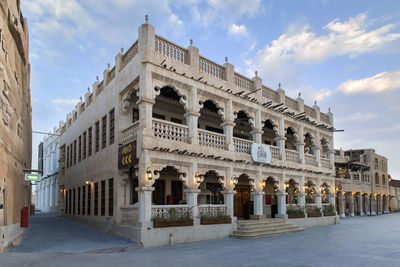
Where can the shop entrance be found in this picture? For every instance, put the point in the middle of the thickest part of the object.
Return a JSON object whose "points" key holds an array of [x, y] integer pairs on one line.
{"points": [[243, 206]]}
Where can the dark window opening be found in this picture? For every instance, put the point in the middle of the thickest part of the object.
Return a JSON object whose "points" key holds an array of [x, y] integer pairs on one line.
{"points": [[103, 198]]}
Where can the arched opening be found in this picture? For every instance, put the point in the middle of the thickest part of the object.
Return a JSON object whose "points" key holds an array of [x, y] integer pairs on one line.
{"points": [[209, 118], [291, 139], [325, 193], [309, 190], [211, 189], [291, 190], [168, 107], [383, 179], [242, 126], [325, 148], [130, 113], [168, 188], [269, 133], [376, 178], [270, 203], [308, 144], [243, 206]]}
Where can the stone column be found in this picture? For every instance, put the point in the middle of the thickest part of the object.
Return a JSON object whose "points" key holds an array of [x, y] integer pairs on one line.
{"points": [[301, 199], [257, 132], [341, 205], [351, 205], [51, 192], [281, 196], [367, 207], [228, 132], [191, 121], [191, 196], [144, 208], [332, 200], [318, 200], [280, 142], [331, 156], [360, 205], [228, 201], [373, 205], [300, 145], [386, 200], [258, 205], [380, 204]]}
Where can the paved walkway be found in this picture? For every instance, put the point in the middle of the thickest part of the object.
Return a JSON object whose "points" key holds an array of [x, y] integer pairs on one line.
{"points": [[360, 241], [48, 233]]}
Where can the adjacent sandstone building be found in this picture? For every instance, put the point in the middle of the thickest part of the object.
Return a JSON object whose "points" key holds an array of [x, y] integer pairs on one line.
{"points": [[15, 120], [171, 138]]}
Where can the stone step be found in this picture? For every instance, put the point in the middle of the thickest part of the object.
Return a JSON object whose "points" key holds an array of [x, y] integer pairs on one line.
{"points": [[272, 227], [266, 234], [267, 222]]}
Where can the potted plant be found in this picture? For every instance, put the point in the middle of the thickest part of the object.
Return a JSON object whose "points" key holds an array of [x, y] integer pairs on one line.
{"points": [[313, 211], [295, 212], [329, 210], [220, 218], [174, 219]]}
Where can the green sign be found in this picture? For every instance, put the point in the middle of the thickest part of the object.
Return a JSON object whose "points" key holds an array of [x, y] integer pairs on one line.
{"points": [[31, 177]]}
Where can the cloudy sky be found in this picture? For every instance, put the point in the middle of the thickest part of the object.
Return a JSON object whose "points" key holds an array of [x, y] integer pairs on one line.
{"points": [[343, 54]]}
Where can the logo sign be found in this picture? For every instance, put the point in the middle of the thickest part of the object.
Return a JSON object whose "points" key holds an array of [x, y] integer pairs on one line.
{"points": [[31, 177], [260, 153], [127, 155]]}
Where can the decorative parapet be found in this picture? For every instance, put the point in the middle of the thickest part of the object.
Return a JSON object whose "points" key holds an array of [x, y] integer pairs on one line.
{"points": [[270, 94], [171, 50], [243, 82], [211, 68], [129, 55]]}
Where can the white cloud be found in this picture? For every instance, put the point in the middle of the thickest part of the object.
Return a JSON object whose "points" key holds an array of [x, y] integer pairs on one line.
{"points": [[299, 46], [64, 104], [237, 30], [359, 117], [381, 82]]}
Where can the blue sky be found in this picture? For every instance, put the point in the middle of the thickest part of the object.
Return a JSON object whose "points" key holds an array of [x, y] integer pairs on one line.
{"points": [[343, 54]]}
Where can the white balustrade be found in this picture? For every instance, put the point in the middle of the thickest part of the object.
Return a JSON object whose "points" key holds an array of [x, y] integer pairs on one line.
{"points": [[291, 103], [274, 152], [292, 155], [310, 159], [325, 163], [170, 131], [309, 111], [211, 68], [129, 55], [212, 210], [243, 82], [242, 145], [129, 134], [270, 94], [324, 118], [211, 139], [165, 211], [129, 214], [171, 50]]}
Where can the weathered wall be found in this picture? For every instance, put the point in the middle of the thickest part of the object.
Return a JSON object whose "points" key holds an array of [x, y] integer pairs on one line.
{"points": [[15, 119]]}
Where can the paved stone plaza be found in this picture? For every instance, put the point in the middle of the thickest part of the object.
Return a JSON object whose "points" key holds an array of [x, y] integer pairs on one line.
{"points": [[360, 241]]}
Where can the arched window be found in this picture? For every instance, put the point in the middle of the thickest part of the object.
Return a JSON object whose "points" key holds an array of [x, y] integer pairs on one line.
{"points": [[168, 106], [210, 119], [376, 178], [291, 139], [269, 133], [383, 179], [242, 127]]}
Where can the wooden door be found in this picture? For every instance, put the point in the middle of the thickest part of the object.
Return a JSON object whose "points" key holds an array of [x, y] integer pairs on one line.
{"points": [[241, 197]]}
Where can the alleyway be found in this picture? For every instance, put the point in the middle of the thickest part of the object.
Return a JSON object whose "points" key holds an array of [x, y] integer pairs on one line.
{"points": [[359, 241], [49, 234]]}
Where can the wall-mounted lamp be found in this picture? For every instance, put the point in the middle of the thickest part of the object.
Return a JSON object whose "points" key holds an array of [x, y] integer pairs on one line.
{"points": [[197, 177], [235, 180], [89, 181], [148, 174], [263, 183]]}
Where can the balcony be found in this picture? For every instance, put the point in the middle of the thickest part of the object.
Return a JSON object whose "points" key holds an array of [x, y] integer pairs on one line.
{"points": [[211, 139], [310, 159], [325, 163], [242, 145], [129, 134], [292, 155], [170, 131]]}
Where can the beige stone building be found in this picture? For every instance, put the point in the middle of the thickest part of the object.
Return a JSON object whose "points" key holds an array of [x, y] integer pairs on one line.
{"points": [[394, 186], [15, 120], [169, 134], [362, 183]]}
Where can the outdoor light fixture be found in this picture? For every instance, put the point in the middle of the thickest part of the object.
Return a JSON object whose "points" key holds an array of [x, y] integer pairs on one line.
{"points": [[235, 180], [197, 176], [148, 174], [263, 183], [89, 181]]}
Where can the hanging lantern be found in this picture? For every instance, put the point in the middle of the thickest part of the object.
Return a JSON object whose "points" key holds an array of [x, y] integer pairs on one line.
{"points": [[148, 174]]}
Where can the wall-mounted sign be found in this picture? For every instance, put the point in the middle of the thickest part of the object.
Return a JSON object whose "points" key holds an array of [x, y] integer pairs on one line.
{"points": [[127, 155], [260, 153], [32, 177]]}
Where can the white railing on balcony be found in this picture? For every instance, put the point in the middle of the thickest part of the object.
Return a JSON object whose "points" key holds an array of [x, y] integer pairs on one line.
{"points": [[170, 131], [243, 82], [212, 210], [129, 214], [292, 155], [324, 117], [326, 163], [211, 139], [270, 94], [291, 103], [310, 159], [211, 68], [242, 145], [164, 211], [274, 152], [171, 50], [129, 134], [129, 55]]}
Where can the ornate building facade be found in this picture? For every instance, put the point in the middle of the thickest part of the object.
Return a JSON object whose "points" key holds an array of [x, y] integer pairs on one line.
{"points": [[15, 120], [169, 134], [47, 189], [362, 182]]}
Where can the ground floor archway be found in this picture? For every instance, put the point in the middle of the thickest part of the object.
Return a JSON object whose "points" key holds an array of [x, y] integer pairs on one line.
{"points": [[243, 205]]}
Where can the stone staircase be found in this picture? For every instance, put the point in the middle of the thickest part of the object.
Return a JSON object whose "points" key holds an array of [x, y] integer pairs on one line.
{"points": [[249, 229]]}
